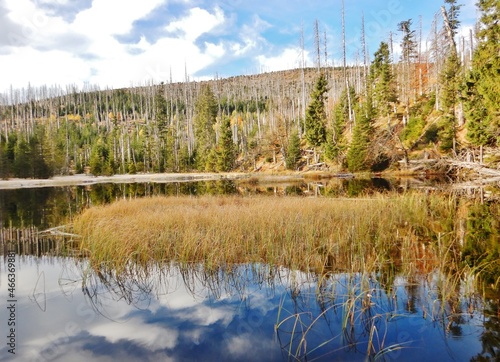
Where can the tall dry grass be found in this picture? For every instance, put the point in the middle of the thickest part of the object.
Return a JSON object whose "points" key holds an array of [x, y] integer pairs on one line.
{"points": [[372, 239], [318, 234]]}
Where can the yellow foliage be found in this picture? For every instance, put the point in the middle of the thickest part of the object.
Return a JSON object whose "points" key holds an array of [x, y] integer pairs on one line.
{"points": [[74, 117]]}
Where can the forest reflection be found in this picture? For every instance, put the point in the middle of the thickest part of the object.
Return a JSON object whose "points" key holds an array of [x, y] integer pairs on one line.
{"points": [[440, 281], [53, 206]]}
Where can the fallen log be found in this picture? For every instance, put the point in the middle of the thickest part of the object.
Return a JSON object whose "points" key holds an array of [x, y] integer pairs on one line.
{"points": [[474, 166]]}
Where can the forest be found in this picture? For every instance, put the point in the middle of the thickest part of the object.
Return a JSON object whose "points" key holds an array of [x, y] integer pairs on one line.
{"points": [[375, 115]]}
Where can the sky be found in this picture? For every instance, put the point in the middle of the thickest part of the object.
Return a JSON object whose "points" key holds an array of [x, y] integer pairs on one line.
{"points": [[122, 43]]}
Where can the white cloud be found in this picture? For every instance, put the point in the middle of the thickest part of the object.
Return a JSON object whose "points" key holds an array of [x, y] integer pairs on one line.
{"points": [[47, 49], [288, 59], [112, 43], [215, 51], [53, 2], [33, 66], [251, 36], [20, 11], [110, 17], [198, 22], [464, 31]]}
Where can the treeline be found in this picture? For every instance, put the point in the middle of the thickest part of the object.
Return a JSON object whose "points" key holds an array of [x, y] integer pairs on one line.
{"points": [[361, 117]]}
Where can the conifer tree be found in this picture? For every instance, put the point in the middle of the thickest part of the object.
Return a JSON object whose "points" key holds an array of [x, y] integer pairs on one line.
{"points": [[226, 151], [336, 143], [450, 78], [166, 150], [315, 132], [99, 158], [358, 155], [22, 159], [204, 122], [383, 88], [293, 151], [481, 91], [161, 110]]}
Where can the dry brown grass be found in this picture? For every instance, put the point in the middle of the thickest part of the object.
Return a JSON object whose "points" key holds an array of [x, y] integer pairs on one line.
{"points": [[308, 233]]}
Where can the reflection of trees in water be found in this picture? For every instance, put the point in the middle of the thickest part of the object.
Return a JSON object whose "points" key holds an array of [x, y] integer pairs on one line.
{"points": [[482, 241], [47, 207], [490, 338], [25, 207], [403, 278], [53, 206]]}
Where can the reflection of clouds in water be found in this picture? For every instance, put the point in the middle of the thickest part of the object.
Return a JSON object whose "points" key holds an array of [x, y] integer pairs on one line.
{"points": [[261, 302], [204, 315], [84, 348], [239, 346], [136, 331], [249, 346], [174, 318], [195, 335], [157, 317]]}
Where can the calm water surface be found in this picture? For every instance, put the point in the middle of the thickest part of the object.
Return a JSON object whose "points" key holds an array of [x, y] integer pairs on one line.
{"points": [[67, 311]]}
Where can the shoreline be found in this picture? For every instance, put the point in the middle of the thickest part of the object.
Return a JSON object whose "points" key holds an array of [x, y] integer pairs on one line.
{"points": [[82, 179], [483, 178]]}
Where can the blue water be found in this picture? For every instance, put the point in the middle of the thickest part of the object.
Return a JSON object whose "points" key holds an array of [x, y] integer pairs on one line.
{"points": [[66, 311]]}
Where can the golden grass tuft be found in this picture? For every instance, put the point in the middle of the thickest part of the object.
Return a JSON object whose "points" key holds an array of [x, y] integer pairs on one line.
{"points": [[317, 234]]}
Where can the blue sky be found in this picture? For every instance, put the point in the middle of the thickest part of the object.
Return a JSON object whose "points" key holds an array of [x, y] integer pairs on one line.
{"points": [[119, 43]]}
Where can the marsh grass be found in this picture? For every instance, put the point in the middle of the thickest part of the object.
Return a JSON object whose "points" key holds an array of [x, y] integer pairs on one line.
{"points": [[371, 241], [318, 234]]}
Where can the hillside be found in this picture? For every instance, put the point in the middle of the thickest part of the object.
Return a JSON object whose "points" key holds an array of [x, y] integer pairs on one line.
{"points": [[155, 128]]}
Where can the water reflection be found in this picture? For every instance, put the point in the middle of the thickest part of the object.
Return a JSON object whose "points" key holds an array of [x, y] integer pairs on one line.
{"points": [[72, 310], [54, 206], [250, 312], [490, 338]]}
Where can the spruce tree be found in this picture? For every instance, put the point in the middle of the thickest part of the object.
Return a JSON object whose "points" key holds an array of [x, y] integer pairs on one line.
{"points": [[293, 151], [99, 158], [481, 90], [166, 149], [358, 155], [226, 151], [315, 132], [336, 143], [450, 79], [22, 159], [383, 87], [204, 122]]}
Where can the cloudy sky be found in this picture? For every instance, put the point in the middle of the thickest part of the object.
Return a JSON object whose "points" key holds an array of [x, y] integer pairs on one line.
{"points": [[119, 43]]}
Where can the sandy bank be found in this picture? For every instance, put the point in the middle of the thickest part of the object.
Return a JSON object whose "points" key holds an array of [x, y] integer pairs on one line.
{"points": [[90, 180]]}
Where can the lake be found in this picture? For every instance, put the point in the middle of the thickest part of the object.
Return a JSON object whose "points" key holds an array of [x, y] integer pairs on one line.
{"points": [[64, 308]]}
